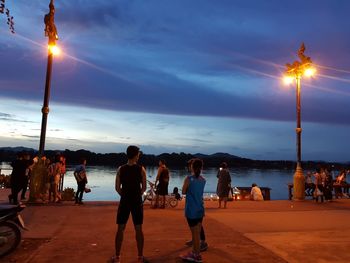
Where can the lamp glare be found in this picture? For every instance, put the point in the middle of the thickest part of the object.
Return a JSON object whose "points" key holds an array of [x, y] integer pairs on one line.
{"points": [[287, 80], [310, 72], [55, 50]]}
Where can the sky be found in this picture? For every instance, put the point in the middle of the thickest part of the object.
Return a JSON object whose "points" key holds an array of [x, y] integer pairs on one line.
{"points": [[179, 76]]}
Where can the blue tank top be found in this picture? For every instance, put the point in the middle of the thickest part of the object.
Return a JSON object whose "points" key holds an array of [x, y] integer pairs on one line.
{"points": [[194, 207]]}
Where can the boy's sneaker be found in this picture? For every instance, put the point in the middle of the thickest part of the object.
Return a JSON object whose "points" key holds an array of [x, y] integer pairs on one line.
{"points": [[203, 245], [142, 259], [190, 256]]}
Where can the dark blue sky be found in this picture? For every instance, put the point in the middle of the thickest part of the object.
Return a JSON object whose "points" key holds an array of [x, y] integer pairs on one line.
{"points": [[204, 75]]}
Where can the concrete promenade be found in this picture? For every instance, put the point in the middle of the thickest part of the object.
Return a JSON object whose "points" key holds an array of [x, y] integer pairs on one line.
{"points": [[248, 231]]}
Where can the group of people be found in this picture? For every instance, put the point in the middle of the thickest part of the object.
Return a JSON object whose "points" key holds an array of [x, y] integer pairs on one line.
{"points": [[320, 184], [130, 184], [52, 181]]}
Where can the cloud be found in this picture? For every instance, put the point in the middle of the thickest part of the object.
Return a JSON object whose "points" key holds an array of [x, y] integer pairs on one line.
{"points": [[143, 56], [12, 118]]}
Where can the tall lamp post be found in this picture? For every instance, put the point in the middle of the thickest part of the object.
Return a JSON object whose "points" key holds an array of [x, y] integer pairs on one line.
{"points": [[51, 33], [39, 171], [294, 72]]}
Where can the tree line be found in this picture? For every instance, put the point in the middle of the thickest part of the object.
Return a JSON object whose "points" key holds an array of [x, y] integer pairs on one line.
{"points": [[174, 160]]}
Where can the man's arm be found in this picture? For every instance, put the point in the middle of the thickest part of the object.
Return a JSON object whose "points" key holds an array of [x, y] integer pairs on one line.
{"points": [[158, 176], [143, 188], [185, 186], [117, 182]]}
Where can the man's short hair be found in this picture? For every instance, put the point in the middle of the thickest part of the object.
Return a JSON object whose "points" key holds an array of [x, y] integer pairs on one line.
{"points": [[132, 151]]}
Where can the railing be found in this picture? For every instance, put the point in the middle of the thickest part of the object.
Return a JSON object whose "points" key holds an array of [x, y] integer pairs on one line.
{"points": [[337, 191]]}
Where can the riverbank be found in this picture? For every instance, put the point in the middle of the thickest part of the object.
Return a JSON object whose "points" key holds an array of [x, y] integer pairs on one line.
{"points": [[271, 231]]}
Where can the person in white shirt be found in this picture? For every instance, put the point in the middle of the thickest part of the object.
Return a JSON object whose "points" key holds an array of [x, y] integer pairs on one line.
{"points": [[255, 193]]}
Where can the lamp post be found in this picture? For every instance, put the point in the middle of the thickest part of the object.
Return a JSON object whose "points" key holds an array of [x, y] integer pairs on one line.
{"points": [[295, 72], [39, 171], [51, 33]]}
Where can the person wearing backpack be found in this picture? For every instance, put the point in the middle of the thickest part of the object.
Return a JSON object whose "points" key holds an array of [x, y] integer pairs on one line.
{"points": [[80, 176]]}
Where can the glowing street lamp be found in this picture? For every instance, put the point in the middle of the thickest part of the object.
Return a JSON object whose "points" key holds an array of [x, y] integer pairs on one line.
{"points": [[51, 33], [294, 72]]}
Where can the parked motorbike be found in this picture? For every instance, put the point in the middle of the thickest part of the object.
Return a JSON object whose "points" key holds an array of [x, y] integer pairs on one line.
{"points": [[11, 224]]}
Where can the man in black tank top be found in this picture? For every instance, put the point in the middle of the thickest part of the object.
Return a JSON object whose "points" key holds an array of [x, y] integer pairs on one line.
{"points": [[130, 183]]}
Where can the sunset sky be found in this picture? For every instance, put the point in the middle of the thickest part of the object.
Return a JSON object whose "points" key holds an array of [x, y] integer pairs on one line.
{"points": [[179, 76]]}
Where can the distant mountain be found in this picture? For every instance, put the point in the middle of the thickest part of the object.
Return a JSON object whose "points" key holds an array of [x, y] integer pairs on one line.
{"points": [[8, 154], [17, 149]]}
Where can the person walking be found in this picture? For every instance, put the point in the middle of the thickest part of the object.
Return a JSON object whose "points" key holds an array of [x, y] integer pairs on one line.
{"points": [[193, 188], [224, 184], [162, 183], [81, 178], [130, 184]]}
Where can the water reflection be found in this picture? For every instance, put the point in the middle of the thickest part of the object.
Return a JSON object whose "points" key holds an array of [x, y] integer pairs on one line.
{"points": [[102, 180]]}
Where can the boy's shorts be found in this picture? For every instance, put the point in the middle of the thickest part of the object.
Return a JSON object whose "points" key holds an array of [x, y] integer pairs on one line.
{"points": [[194, 221]]}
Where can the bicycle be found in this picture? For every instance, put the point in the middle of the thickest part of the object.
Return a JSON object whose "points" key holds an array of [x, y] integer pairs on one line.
{"points": [[150, 195]]}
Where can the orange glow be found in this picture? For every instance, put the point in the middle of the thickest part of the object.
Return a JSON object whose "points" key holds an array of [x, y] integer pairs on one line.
{"points": [[310, 72], [55, 50], [288, 80]]}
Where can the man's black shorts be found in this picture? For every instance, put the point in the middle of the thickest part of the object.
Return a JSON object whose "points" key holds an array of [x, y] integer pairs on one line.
{"points": [[194, 221], [124, 210]]}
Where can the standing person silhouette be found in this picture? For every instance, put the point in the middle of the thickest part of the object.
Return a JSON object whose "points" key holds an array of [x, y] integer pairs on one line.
{"points": [[224, 184], [162, 183], [81, 177], [130, 183], [193, 187]]}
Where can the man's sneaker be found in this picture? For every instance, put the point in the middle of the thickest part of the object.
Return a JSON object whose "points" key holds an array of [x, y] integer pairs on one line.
{"points": [[142, 259], [115, 259], [190, 256], [189, 243], [203, 246]]}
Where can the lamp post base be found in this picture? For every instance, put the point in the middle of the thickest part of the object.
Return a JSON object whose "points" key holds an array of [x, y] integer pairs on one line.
{"points": [[37, 185], [299, 184]]}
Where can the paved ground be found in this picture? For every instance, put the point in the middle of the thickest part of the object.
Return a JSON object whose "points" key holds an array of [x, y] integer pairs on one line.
{"points": [[270, 231]]}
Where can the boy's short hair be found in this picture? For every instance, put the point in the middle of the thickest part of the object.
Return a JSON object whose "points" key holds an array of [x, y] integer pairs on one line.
{"points": [[132, 151]]}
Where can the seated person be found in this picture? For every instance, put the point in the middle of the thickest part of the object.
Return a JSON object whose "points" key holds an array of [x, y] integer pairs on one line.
{"points": [[255, 193], [176, 193]]}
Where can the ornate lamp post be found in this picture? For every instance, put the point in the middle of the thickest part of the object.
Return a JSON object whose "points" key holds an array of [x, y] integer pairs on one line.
{"points": [[39, 172], [294, 72], [51, 33]]}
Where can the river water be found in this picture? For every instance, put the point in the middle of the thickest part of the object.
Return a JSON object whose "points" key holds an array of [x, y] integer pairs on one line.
{"points": [[102, 179]]}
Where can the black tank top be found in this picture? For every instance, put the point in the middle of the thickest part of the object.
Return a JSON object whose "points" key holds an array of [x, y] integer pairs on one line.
{"points": [[131, 179]]}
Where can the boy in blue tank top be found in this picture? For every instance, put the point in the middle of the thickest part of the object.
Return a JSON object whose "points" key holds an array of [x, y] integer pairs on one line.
{"points": [[193, 188]]}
